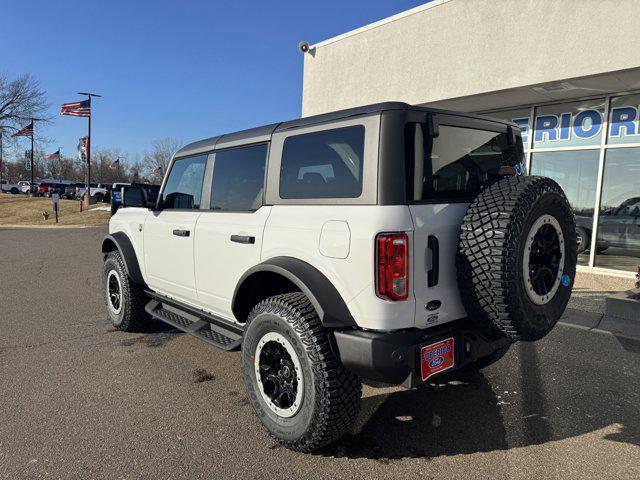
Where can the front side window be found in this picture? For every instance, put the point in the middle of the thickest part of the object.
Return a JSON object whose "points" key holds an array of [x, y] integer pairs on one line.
{"points": [[238, 179], [184, 184], [457, 162], [325, 164]]}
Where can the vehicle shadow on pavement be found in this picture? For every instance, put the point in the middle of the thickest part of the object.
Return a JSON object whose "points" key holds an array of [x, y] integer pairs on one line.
{"points": [[468, 416], [428, 422]]}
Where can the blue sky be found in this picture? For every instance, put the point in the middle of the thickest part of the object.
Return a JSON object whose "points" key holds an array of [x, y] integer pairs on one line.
{"points": [[187, 69]]}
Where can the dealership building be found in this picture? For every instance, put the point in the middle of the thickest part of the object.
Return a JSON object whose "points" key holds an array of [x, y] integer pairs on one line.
{"points": [[567, 72]]}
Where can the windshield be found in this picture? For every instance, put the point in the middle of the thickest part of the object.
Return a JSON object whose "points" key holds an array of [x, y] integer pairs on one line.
{"points": [[456, 163]]}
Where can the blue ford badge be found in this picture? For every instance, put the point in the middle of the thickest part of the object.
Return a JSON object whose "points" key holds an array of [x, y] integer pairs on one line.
{"points": [[436, 362]]}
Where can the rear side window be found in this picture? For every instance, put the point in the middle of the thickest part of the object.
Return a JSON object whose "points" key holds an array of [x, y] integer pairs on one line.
{"points": [[325, 164], [458, 162], [238, 179], [184, 184]]}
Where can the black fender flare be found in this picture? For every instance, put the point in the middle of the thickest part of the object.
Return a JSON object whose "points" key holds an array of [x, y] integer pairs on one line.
{"points": [[329, 304], [120, 241]]}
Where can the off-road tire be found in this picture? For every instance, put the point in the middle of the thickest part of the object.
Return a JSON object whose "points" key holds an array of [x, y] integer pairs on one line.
{"points": [[132, 316], [331, 394], [491, 254]]}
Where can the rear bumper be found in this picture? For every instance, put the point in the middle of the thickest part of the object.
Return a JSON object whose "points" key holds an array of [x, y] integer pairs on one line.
{"points": [[394, 357]]}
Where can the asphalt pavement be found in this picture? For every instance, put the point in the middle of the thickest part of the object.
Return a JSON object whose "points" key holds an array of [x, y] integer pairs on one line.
{"points": [[81, 400]]}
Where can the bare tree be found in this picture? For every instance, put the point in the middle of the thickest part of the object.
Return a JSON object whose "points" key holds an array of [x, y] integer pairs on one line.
{"points": [[20, 100], [156, 162]]}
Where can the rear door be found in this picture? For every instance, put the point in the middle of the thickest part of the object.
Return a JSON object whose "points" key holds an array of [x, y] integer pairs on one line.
{"points": [[229, 234], [169, 232], [448, 173]]}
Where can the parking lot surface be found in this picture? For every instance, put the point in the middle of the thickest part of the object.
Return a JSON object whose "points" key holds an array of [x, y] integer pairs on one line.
{"points": [[81, 400]]}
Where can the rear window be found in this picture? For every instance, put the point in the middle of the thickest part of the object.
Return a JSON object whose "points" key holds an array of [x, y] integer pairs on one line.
{"points": [[325, 164], [457, 163]]}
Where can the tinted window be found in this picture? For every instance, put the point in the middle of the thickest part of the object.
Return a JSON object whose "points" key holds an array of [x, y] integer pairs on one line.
{"points": [[577, 173], [184, 185], [457, 162], [325, 164], [238, 179]]}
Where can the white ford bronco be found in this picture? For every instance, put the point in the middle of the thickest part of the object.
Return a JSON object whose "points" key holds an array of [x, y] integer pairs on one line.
{"points": [[388, 243]]}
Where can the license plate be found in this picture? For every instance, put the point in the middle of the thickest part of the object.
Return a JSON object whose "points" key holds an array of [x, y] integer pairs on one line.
{"points": [[436, 358]]}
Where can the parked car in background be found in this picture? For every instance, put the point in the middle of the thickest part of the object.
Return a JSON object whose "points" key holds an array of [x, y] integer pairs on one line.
{"points": [[6, 187], [619, 227], [43, 189], [69, 192], [107, 187], [98, 193], [24, 186]]}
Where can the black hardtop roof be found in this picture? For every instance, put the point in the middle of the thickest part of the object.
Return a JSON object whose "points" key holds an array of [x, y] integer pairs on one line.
{"points": [[263, 134]]}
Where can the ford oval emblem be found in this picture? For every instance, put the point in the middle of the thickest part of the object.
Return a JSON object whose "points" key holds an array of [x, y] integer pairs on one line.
{"points": [[436, 362]]}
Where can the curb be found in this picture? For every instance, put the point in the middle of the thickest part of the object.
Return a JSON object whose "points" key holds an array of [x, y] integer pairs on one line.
{"points": [[46, 227], [601, 323]]}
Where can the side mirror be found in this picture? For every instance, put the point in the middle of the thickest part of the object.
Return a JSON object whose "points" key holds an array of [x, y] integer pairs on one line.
{"points": [[133, 197]]}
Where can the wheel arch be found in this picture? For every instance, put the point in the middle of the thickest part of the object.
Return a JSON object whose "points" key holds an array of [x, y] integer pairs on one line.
{"points": [[283, 274], [121, 243]]}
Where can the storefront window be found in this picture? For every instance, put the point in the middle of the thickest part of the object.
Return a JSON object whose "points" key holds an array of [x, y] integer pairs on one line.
{"points": [[521, 117], [624, 121], [572, 124], [577, 173], [618, 240]]}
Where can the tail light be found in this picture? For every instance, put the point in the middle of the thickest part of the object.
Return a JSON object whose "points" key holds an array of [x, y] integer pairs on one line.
{"points": [[392, 265]]}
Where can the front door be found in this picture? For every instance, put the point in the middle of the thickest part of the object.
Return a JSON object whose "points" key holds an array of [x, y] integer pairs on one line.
{"points": [[229, 235], [169, 233]]}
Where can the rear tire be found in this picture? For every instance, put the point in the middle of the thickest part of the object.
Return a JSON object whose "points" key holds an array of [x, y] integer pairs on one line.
{"points": [[319, 404], [125, 299], [517, 257]]}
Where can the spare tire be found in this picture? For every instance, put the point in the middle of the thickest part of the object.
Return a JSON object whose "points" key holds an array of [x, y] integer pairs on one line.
{"points": [[517, 256]]}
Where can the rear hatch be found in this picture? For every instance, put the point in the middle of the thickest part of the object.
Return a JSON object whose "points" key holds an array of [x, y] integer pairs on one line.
{"points": [[449, 172]]}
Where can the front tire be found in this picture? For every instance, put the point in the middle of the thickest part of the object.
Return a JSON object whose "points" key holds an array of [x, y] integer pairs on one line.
{"points": [[303, 396], [125, 300]]}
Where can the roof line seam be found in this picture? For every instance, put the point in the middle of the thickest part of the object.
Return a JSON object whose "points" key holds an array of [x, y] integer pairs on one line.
{"points": [[380, 23]]}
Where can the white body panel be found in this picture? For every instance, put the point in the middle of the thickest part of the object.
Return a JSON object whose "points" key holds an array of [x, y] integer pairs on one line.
{"points": [[219, 262], [203, 269], [169, 259], [130, 221], [442, 221], [295, 231]]}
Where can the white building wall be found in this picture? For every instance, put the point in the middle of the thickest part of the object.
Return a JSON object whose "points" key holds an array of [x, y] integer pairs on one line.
{"points": [[456, 48]]}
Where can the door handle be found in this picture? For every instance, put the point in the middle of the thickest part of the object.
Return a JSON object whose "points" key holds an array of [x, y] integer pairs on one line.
{"points": [[181, 233], [434, 271], [243, 239]]}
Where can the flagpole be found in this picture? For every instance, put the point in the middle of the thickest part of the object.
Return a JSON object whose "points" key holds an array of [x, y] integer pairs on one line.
{"points": [[33, 124], [88, 190], [1, 164]]}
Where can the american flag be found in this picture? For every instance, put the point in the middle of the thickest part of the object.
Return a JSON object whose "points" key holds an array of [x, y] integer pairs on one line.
{"points": [[55, 154], [25, 132], [77, 109], [158, 170], [115, 164]]}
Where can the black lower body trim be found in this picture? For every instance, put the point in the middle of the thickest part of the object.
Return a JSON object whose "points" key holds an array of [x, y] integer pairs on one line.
{"points": [[214, 330], [394, 357]]}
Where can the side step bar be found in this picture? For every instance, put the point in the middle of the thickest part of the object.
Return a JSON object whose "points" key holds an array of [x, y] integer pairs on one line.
{"points": [[213, 330]]}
